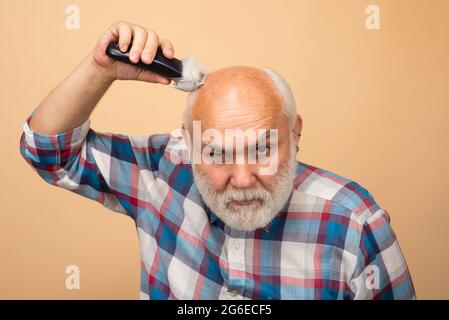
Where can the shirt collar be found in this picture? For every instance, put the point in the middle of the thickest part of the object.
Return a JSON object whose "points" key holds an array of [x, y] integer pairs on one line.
{"points": [[273, 224], [212, 216]]}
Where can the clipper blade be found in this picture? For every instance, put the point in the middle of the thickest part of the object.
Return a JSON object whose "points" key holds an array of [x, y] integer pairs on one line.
{"points": [[193, 75]]}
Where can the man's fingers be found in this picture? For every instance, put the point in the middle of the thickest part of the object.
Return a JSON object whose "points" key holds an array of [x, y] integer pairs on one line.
{"points": [[124, 33], [161, 79], [167, 48], [151, 45], [139, 40], [149, 76]]}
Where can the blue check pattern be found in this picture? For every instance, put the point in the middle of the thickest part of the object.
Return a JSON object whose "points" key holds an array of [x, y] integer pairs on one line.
{"points": [[330, 241]]}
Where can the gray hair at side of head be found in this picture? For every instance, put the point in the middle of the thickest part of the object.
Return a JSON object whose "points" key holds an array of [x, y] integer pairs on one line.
{"points": [[284, 90]]}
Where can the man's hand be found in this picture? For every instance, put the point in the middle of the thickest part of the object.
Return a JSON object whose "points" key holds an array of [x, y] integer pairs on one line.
{"points": [[73, 100], [144, 44]]}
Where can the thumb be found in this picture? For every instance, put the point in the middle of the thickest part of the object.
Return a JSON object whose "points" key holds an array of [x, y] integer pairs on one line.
{"points": [[149, 76]]}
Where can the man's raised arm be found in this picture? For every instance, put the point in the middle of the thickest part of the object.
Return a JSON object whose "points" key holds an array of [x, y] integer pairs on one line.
{"points": [[57, 140]]}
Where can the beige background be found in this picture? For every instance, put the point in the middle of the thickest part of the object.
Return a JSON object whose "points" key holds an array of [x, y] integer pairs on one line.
{"points": [[375, 106]]}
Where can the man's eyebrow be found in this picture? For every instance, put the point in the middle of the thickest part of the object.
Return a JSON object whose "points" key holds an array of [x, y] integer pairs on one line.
{"points": [[265, 132], [208, 144]]}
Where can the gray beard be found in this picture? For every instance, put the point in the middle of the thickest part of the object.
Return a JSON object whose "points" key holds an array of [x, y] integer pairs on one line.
{"points": [[259, 213]]}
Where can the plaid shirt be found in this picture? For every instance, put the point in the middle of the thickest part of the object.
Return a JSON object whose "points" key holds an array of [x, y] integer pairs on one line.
{"points": [[330, 241]]}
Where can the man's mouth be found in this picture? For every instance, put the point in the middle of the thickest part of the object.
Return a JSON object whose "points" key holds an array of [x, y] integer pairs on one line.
{"points": [[244, 202]]}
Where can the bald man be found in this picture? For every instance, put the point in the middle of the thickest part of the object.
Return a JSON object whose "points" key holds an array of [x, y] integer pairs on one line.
{"points": [[231, 219]]}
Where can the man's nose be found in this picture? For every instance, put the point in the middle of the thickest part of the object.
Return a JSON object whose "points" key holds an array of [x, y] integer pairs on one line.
{"points": [[242, 176]]}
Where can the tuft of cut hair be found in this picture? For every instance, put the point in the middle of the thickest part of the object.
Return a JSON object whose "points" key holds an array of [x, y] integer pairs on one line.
{"points": [[192, 69]]}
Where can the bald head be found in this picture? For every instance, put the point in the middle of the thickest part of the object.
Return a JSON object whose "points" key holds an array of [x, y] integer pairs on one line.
{"points": [[238, 97]]}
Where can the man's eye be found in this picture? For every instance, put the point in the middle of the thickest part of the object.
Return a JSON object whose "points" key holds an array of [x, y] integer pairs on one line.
{"points": [[216, 153], [263, 148]]}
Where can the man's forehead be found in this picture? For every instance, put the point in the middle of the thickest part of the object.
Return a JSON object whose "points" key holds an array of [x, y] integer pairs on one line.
{"points": [[238, 116]]}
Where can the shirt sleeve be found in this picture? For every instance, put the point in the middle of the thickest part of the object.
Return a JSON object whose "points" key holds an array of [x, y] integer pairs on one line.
{"points": [[381, 272], [100, 166]]}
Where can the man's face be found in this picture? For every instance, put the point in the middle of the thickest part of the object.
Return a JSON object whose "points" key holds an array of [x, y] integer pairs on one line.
{"points": [[241, 193]]}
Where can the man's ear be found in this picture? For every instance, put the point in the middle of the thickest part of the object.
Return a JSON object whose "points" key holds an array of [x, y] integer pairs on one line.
{"points": [[297, 129]]}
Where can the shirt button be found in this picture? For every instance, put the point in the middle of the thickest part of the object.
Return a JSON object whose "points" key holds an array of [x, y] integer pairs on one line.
{"points": [[232, 293], [236, 247]]}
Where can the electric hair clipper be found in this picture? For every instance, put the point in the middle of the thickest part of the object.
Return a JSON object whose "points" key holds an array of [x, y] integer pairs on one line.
{"points": [[187, 75]]}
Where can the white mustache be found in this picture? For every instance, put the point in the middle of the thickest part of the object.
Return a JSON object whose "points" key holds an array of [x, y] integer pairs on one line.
{"points": [[246, 195]]}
